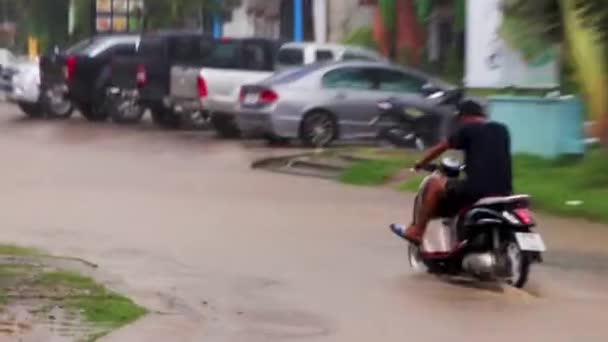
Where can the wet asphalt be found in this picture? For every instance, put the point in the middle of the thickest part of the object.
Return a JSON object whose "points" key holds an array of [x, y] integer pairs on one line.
{"points": [[221, 252]]}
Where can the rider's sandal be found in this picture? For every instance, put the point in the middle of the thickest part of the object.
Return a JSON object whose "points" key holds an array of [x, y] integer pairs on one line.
{"points": [[401, 231]]}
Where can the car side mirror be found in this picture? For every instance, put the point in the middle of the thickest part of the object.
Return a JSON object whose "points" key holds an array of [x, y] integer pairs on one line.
{"points": [[429, 89]]}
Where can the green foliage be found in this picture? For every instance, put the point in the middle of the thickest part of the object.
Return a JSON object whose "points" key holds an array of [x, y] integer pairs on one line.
{"points": [[389, 15], [596, 12], [363, 37], [172, 13]]}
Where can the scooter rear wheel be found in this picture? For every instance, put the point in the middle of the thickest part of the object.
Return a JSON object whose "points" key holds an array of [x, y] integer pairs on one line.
{"points": [[415, 259], [517, 263]]}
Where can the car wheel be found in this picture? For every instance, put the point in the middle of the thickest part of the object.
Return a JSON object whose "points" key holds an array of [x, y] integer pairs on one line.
{"points": [[318, 129], [165, 118], [123, 111], [273, 140], [32, 110], [195, 120], [55, 105], [94, 113], [225, 126]]}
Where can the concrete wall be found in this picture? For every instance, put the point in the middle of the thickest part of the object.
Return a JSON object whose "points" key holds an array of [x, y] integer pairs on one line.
{"points": [[240, 25], [345, 16]]}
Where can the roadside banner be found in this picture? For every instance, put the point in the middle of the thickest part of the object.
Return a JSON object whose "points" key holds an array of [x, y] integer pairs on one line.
{"points": [[492, 63]]}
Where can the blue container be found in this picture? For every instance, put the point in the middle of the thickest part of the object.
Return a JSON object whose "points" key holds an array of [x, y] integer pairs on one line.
{"points": [[547, 127]]}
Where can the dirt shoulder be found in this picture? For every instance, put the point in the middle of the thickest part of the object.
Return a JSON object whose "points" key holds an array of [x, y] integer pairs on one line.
{"points": [[47, 298]]}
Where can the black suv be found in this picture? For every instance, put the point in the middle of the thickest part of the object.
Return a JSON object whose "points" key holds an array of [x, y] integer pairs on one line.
{"points": [[82, 72], [149, 71]]}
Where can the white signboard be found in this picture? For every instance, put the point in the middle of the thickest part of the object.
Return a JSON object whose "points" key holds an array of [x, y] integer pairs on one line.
{"points": [[491, 63]]}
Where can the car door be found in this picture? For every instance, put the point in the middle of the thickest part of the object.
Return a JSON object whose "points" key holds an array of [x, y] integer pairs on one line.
{"points": [[351, 98]]}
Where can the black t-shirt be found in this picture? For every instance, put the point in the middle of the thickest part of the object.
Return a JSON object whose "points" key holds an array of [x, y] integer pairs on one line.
{"points": [[487, 149]]}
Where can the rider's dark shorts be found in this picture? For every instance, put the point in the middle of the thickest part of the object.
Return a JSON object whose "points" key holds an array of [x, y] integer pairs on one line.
{"points": [[456, 197]]}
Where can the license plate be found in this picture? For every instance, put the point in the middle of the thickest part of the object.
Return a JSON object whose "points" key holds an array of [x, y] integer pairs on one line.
{"points": [[531, 242], [251, 99]]}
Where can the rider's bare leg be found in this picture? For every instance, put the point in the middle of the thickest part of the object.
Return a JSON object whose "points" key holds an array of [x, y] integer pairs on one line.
{"points": [[428, 208]]}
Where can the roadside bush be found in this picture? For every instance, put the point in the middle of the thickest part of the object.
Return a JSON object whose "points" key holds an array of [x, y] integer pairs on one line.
{"points": [[363, 37]]}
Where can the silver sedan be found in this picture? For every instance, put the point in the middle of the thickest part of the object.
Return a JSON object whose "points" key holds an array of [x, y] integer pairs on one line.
{"points": [[321, 103]]}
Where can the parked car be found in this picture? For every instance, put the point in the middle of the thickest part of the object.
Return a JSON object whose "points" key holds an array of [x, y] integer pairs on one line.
{"points": [[81, 74], [298, 54], [215, 88], [340, 100], [21, 84], [142, 81]]}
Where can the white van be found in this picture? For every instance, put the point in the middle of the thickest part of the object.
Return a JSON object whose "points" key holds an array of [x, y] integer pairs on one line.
{"points": [[296, 54]]}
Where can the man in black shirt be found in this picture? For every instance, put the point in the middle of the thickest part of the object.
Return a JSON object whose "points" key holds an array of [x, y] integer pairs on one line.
{"points": [[487, 149]]}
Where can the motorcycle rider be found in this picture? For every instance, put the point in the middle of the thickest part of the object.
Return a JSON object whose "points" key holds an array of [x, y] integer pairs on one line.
{"points": [[487, 149]]}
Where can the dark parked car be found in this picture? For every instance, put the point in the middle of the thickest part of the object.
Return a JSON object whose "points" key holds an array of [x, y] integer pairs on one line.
{"points": [[149, 73], [81, 73]]}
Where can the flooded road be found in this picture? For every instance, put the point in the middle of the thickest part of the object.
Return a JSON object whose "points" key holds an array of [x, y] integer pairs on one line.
{"points": [[220, 252]]}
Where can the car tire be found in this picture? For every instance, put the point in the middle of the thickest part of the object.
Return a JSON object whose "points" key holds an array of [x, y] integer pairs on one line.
{"points": [[273, 140], [60, 110], [225, 127], [94, 113], [165, 118], [32, 110], [123, 115], [318, 129], [195, 121]]}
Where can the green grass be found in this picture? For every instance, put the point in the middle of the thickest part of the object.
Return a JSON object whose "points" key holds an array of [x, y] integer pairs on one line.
{"points": [[377, 170], [555, 185], [98, 305], [9, 249]]}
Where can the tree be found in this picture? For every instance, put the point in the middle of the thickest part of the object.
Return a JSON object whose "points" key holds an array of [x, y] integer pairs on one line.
{"points": [[174, 13], [581, 26]]}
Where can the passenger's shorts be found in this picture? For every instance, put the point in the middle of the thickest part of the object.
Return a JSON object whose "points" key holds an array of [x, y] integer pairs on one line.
{"points": [[456, 197]]}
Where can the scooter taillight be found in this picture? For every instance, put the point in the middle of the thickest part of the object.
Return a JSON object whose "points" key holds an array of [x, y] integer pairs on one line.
{"points": [[525, 215]]}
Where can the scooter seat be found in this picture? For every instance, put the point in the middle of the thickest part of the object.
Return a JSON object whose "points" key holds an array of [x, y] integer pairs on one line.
{"points": [[502, 200]]}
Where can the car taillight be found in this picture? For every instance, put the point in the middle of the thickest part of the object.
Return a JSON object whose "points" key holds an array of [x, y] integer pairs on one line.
{"points": [[268, 96], [242, 95], [201, 85], [70, 68], [524, 215], [141, 77]]}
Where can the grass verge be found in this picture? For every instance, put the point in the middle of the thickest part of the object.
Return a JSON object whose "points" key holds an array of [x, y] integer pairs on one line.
{"points": [[42, 283], [574, 188], [378, 169], [97, 304]]}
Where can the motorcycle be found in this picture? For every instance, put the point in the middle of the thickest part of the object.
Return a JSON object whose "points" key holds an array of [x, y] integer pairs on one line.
{"points": [[416, 124], [493, 240]]}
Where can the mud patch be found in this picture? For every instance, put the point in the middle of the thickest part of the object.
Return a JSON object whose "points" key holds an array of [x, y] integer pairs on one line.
{"points": [[43, 298], [327, 164]]}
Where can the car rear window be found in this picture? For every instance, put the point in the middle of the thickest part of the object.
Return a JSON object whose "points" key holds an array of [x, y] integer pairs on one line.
{"points": [[290, 56], [292, 75], [324, 55], [151, 47], [82, 47], [223, 55]]}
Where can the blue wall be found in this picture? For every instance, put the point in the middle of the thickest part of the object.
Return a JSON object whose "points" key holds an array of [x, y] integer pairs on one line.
{"points": [[547, 127]]}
